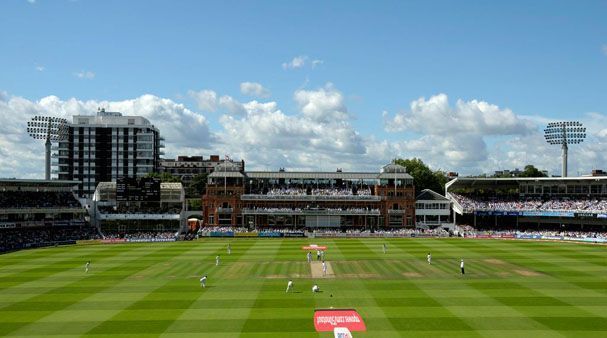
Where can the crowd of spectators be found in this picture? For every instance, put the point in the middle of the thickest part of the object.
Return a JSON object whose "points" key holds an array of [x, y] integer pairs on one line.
{"points": [[332, 231], [513, 204], [329, 210], [298, 190], [141, 235], [38, 199], [387, 232], [16, 239], [468, 231]]}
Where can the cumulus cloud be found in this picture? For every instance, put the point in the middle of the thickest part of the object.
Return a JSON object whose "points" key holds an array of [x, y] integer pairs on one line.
{"points": [[206, 100], [231, 106], [183, 129], [85, 74], [436, 116], [254, 89], [322, 105], [457, 136], [318, 135]]}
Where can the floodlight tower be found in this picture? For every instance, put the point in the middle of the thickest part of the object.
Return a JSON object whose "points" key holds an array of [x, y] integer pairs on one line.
{"points": [[51, 129], [565, 133]]}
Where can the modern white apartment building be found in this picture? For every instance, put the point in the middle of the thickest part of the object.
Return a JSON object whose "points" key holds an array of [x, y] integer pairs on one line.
{"points": [[104, 147]]}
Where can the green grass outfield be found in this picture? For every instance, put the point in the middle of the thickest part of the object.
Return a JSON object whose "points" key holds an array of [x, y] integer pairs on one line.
{"points": [[511, 289]]}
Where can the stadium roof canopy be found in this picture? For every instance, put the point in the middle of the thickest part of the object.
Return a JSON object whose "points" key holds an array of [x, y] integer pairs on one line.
{"points": [[390, 171], [487, 182], [430, 195]]}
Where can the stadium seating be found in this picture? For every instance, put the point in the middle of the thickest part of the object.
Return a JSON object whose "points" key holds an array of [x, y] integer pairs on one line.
{"points": [[472, 203]]}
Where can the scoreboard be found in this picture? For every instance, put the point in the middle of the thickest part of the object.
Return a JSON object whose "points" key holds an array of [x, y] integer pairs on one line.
{"points": [[131, 189]]}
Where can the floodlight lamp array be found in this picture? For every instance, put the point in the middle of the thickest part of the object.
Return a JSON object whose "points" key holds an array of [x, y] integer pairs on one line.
{"points": [[48, 127], [569, 132]]}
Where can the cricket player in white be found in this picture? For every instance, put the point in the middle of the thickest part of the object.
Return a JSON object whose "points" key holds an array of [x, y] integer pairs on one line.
{"points": [[229, 249], [429, 258], [309, 256], [385, 248], [324, 268], [289, 285], [203, 281], [461, 265], [217, 260], [86, 266], [315, 288]]}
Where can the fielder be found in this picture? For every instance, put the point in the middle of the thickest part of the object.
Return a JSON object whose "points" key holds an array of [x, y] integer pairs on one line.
{"points": [[461, 265], [309, 256], [289, 285], [86, 266], [203, 281], [315, 288], [217, 260], [429, 258], [385, 248], [229, 249]]}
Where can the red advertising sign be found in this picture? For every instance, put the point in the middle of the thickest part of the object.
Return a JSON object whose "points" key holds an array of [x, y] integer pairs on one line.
{"points": [[328, 319], [314, 247]]}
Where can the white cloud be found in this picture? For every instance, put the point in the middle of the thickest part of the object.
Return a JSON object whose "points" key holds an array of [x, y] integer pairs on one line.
{"points": [[436, 116], [302, 61], [231, 106], [206, 100], [40, 68], [185, 131], [31, 1], [254, 89], [85, 74], [322, 105], [296, 62], [319, 135]]}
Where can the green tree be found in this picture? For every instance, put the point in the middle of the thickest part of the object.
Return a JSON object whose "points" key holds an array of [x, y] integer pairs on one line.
{"points": [[197, 186], [531, 171], [423, 176]]}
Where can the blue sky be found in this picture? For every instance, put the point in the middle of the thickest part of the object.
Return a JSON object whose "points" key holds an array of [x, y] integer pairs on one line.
{"points": [[533, 61]]}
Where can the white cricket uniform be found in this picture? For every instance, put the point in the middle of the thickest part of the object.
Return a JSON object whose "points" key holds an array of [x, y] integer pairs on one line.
{"points": [[86, 267], [324, 268], [315, 288], [203, 282], [289, 286], [429, 259], [217, 261]]}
